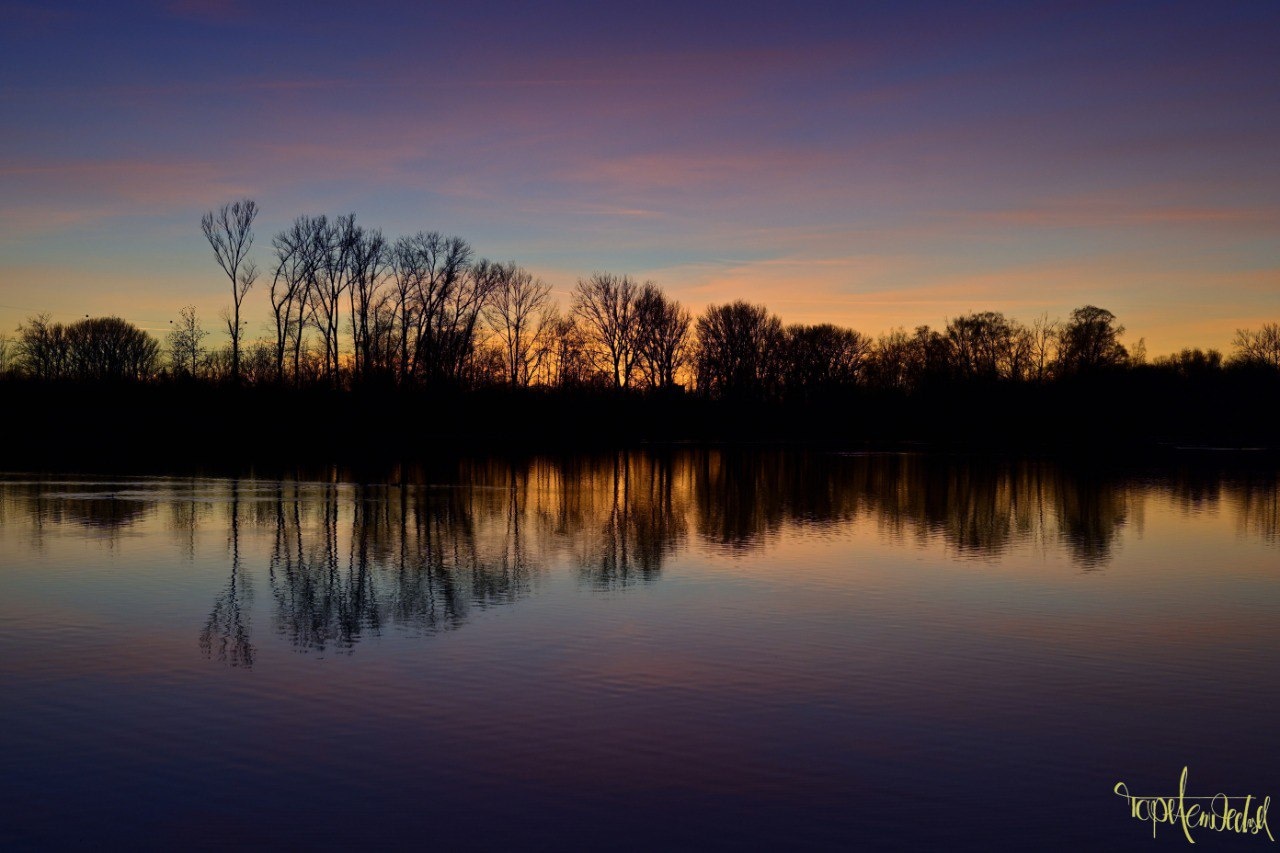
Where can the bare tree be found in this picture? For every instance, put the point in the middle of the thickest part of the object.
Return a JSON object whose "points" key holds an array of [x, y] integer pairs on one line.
{"points": [[606, 306], [110, 349], [436, 302], [368, 261], [889, 357], [822, 357], [295, 268], [521, 315], [408, 262], [459, 318], [738, 348], [230, 234], [1138, 353], [1261, 347], [930, 357], [662, 329], [1043, 339], [570, 363], [185, 342], [258, 363], [488, 363], [235, 327], [42, 350], [333, 244], [986, 345], [905, 361]]}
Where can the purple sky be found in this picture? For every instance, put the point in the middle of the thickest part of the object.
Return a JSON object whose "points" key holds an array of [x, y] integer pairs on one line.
{"points": [[872, 165]]}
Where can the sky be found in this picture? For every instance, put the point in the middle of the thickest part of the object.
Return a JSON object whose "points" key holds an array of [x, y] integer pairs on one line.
{"points": [[873, 165]]}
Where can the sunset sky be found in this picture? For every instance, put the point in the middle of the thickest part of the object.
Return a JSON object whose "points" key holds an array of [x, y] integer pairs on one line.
{"points": [[874, 165]]}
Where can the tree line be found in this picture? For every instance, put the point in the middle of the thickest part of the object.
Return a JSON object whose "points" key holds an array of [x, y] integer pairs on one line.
{"points": [[350, 307]]}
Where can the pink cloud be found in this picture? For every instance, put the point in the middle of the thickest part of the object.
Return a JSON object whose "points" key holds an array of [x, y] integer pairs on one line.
{"points": [[47, 197], [1115, 213]]}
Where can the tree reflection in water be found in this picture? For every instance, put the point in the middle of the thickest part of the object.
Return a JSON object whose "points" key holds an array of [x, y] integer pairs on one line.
{"points": [[422, 549], [226, 634], [1258, 505]]}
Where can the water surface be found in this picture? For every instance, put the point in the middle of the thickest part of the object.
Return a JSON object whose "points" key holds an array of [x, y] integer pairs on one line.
{"points": [[636, 651]]}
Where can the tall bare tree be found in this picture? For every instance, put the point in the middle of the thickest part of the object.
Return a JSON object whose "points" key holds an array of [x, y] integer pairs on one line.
{"points": [[407, 273], [606, 306], [295, 267], [521, 314], [334, 243], [662, 336], [460, 318], [368, 262], [230, 234], [437, 300]]}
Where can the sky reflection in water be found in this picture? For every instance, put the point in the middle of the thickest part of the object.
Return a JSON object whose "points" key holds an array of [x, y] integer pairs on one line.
{"points": [[697, 648]]}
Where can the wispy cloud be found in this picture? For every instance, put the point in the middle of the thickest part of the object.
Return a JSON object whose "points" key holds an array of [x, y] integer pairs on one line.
{"points": [[47, 197], [1112, 214]]}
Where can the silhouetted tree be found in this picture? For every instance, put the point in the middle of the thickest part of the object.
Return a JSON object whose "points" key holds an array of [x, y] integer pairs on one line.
{"points": [[295, 267], [42, 349], [488, 364], [258, 363], [1191, 362], [371, 313], [333, 244], [821, 358], [109, 349], [605, 305], [1091, 341], [988, 345], [570, 364], [230, 234], [738, 347], [662, 345], [1258, 348], [1042, 345], [887, 365], [437, 300], [411, 259], [455, 336], [185, 342], [907, 361], [521, 316]]}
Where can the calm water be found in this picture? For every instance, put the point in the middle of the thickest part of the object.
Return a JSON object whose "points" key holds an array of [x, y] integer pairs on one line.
{"points": [[697, 649]]}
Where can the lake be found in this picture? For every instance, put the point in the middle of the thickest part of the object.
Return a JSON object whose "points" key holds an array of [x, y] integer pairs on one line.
{"points": [[681, 649]]}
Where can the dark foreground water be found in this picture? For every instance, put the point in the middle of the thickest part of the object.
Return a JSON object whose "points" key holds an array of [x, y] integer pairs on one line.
{"points": [[690, 650]]}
